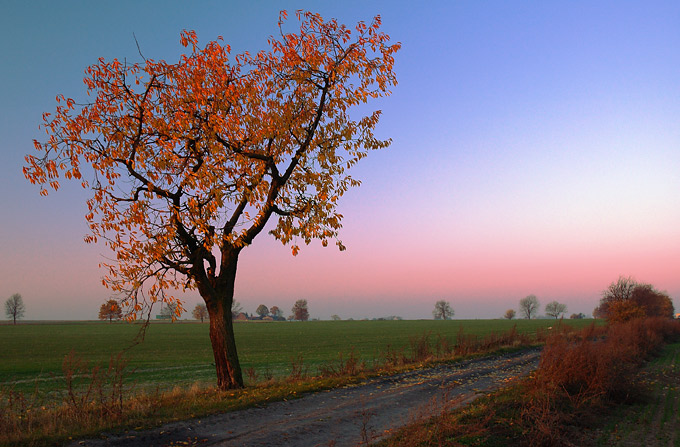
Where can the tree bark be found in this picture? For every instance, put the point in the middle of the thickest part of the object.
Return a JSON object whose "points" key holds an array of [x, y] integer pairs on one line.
{"points": [[218, 294], [227, 366]]}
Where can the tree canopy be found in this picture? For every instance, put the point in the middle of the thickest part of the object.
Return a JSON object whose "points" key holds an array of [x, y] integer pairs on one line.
{"points": [[300, 311], [528, 306], [200, 312], [555, 309], [110, 310], [14, 307], [442, 310], [626, 299], [188, 161]]}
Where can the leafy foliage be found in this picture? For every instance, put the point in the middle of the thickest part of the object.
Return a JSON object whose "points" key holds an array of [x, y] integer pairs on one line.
{"points": [[198, 155], [190, 160], [626, 299], [110, 310], [200, 312], [262, 310], [300, 310], [509, 314]]}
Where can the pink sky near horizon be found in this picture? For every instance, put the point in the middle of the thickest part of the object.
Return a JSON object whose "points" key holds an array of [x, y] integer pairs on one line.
{"points": [[536, 150]]}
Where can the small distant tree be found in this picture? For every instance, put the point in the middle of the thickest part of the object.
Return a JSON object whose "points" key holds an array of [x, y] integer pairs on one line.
{"points": [[335, 318], [510, 314], [442, 310], [528, 306], [276, 312], [236, 309], [200, 312], [300, 310], [110, 310], [262, 310], [172, 311], [14, 307], [578, 316], [555, 309]]}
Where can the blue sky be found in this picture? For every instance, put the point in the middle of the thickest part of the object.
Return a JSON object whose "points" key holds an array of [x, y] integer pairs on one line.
{"points": [[536, 149]]}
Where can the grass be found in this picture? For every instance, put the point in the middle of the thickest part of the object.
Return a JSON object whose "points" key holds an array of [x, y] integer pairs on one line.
{"points": [[180, 353], [655, 419]]}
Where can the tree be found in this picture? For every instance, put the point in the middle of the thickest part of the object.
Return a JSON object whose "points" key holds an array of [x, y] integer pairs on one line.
{"points": [[528, 306], [110, 310], [14, 307], [578, 316], [190, 160], [262, 310], [172, 311], [200, 312], [276, 312], [236, 308], [509, 314], [442, 310], [625, 299], [555, 309], [335, 318], [300, 311]]}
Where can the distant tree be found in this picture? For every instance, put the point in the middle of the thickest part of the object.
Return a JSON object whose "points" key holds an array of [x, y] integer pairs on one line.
{"points": [[510, 314], [442, 310], [14, 307], [262, 310], [300, 310], [578, 316], [236, 309], [528, 306], [200, 312], [335, 318], [276, 312], [555, 309], [626, 299], [172, 311], [110, 310]]}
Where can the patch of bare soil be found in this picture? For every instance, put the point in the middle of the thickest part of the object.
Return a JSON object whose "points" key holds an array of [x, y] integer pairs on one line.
{"points": [[348, 416]]}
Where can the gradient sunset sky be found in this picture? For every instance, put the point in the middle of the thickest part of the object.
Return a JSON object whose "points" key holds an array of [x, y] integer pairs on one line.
{"points": [[536, 150]]}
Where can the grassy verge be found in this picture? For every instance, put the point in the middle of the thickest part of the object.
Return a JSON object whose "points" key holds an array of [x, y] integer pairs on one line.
{"points": [[95, 398], [655, 419], [581, 376]]}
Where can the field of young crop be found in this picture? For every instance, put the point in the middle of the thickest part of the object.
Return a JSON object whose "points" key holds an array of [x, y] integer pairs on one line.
{"points": [[179, 353]]}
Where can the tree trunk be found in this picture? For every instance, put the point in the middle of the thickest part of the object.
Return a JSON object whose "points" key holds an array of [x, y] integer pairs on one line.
{"points": [[227, 365], [218, 294]]}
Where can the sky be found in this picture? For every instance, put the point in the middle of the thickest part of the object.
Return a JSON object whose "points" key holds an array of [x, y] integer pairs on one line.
{"points": [[536, 150]]}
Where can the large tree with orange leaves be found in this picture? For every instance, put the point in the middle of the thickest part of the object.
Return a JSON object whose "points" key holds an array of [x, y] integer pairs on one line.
{"points": [[189, 161]]}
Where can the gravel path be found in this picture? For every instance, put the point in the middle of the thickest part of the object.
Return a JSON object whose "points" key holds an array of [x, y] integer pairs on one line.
{"points": [[348, 416]]}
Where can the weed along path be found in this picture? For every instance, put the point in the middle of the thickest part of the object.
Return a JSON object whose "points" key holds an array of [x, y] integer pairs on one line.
{"points": [[348, 416]]}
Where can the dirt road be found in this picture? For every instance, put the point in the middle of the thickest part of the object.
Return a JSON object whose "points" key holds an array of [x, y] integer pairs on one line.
{"points": [[349, 416]]}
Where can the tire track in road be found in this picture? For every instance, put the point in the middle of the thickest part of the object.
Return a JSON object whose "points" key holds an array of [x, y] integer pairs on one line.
{"points": [[347, 416]]}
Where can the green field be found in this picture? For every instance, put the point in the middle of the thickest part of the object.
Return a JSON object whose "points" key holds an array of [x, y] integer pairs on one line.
{"points": [[180, 353]]}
